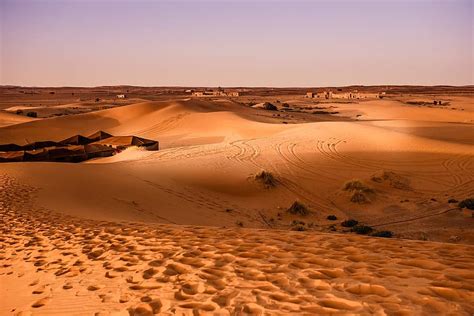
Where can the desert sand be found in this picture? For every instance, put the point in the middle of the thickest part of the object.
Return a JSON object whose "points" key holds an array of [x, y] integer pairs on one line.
{"points": [[190, 230]]}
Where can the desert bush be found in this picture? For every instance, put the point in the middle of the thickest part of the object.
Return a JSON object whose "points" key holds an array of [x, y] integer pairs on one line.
{"points": [[325, 112], [453, 201], [332, 217], [285, 105], [296, 223], [239, 223], [19, 112], [467, 203], [383, 233], [395, 180], [362, 229], [359, 197], [298, 228], [32, 114], [298, 209], [266, 178], [349, 223], [356, 185], [269, 106]]}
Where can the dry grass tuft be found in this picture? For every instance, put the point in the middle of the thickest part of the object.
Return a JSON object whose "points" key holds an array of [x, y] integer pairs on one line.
{"points": [[266, 178], [298, 208]]}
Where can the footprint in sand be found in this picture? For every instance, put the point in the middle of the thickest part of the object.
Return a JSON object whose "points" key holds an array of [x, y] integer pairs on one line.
{"points": [[41, 302]]}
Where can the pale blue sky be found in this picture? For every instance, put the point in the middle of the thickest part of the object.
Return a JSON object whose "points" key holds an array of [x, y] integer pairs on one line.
{"points": [[235, 43]]}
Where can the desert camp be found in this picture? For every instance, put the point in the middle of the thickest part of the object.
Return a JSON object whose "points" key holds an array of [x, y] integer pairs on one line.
{"points": [[76, 148]]}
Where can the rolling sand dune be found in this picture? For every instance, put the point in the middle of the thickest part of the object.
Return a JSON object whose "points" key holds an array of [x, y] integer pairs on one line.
{"points": [[52, 263], [160, 232], [7, 119], [210, 154]]}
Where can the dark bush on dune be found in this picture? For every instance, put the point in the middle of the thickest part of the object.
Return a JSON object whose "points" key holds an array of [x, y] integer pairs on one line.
{"points": [[266, 178], [298, 228], [349, 223], [270, 107], [332, 217], [362, 229], [32, 114], [285, 105], [358, 190], [467, 203], [453, 201], [19, 112], [359, 197], [298, 209], [356, 185], [383, 233]]}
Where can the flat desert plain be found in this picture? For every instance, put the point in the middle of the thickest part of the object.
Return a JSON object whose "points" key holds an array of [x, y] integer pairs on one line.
{"points": [[245, 209]]}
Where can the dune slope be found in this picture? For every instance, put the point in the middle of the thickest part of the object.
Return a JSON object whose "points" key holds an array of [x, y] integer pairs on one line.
{"points": [[52, 263]]}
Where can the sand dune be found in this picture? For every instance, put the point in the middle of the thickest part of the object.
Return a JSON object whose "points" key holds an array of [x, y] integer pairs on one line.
{"points": [[7, 119], [52, 263], [210, 153], [189, 230]]}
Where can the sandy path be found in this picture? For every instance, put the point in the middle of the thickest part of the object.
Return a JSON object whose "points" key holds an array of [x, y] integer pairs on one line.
{"points": [[65, 265]]}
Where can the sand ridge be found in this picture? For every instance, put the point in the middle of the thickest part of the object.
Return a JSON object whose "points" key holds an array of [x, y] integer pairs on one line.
{"points": [[75, 266]]}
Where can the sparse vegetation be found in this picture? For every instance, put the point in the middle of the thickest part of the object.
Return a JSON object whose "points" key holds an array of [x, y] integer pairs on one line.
{"points": [[239, 223], [358, 190], [298, 225], [32, 114], [266, 178], [349, 223], [357, 185], [298, 228], [383, 233], [298, 208], [295, 223], [332, 217], [359, 197], [467, 203], [362, 229], [270, 107], [325, 112], [452, 201], [394, 180], [19, 112]]}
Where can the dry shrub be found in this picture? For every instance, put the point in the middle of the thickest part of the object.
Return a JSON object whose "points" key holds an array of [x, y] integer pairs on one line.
{"points": [[467, 203], [396, 181], [359, 191], [357, 185], [266, 178], [298, 209], [359, 197]]}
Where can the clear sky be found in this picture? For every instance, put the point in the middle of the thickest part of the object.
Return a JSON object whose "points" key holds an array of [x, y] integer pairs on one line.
{"points": [[236, 43]]}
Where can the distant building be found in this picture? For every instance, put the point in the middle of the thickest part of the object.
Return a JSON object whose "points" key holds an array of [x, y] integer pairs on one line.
{"points": [[345, 95], [218, 93]]}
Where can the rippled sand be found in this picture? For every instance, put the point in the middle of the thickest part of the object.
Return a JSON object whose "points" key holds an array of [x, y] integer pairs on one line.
{"points": [[51, 263]]}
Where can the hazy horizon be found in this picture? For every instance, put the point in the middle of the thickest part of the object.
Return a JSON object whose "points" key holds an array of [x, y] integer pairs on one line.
{"points": [[231, 44]]}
